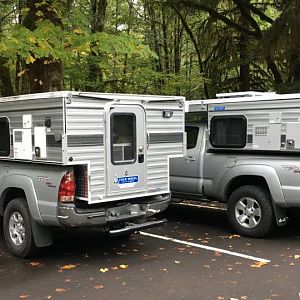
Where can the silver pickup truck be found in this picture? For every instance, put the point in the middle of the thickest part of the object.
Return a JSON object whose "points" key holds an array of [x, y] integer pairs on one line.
{"points": [[243, 152], [77, 159]]}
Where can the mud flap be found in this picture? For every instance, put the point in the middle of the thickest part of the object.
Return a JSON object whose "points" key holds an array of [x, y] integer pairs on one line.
{"points": [[42, 235], [280, 215]]}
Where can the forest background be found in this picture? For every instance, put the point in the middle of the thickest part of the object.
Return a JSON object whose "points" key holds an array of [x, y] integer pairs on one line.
{"points": [[194, 48]]}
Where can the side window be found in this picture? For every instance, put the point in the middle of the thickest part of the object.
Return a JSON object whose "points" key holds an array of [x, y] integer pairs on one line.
{"points": [[123, 138], [228, 132], [192, 136], [4, 137]]}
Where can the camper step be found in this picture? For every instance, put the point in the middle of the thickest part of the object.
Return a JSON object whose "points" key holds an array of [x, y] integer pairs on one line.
{"points": [[133, 227]]}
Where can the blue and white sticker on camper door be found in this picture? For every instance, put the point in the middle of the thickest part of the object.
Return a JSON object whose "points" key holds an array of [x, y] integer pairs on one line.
{"points": [[127, 181]]}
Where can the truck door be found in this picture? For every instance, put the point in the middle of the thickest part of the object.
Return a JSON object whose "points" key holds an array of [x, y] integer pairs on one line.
{"points": [[184, 171], [126, 141]]}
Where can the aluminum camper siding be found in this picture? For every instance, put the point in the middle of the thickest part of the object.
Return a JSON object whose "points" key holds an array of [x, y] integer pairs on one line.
{"points": [[14, 108], [85, 134], [165, 140], [86, 139], [258, 112]]}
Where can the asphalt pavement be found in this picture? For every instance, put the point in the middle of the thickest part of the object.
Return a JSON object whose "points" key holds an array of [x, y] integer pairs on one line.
{"points": [[195, 256]]}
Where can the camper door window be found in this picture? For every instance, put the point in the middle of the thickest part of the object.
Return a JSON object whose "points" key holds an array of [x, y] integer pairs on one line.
{"points": [[228, 131], [123, 137], [4, 137]]}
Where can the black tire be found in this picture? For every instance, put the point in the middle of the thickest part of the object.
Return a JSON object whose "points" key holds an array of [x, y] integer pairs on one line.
{"points": [[23, 245], [250, 211]]}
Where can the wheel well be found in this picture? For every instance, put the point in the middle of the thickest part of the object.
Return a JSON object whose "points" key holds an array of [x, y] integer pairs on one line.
{"points": [[8, 195], [244, 180]]}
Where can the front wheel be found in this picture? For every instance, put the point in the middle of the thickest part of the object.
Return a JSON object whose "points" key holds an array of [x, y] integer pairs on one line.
{"points": [[17, 228], [250, 211]]}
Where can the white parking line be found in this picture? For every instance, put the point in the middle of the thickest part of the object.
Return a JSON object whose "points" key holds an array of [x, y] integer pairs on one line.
{"points": [[199, 206], [263, 260]]}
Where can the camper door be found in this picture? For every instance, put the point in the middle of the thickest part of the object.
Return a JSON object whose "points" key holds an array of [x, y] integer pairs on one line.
{"points": [[126, 149]]}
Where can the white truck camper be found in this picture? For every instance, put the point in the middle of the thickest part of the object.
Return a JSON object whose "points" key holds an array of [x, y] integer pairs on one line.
{"points": [[85, 159], [243, 149]]}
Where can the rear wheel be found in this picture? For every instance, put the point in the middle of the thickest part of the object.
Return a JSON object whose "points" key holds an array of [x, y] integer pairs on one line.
{"points": [[17, 228], [250, 211]]}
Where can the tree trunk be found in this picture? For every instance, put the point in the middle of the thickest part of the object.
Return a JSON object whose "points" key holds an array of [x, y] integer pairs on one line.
{"points": [[44, 74], [6, 87], [95, 75], [243, 53]]}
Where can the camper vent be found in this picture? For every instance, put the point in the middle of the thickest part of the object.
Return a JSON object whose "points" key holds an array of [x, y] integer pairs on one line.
{"points": [[261, 130]]}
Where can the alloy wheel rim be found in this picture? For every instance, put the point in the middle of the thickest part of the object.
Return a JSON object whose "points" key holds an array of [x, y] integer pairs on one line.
{"points": [[248, 212], [16, 228]]}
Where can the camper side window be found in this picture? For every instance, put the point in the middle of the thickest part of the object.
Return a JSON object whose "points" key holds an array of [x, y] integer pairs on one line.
{"points": [[4, 137], [228, 132], [123, 138]]}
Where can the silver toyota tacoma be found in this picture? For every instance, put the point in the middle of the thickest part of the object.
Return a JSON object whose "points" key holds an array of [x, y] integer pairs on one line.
{"points": [[243, 151]]}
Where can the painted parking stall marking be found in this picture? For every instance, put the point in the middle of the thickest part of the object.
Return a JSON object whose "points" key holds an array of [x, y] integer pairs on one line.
{"points": [[232, 253]]}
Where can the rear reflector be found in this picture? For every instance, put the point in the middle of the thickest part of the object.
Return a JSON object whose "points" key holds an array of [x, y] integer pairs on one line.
{"points": [[67, 187]]}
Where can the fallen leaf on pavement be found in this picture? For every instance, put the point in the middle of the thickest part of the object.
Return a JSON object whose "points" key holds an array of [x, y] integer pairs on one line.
{"points": [[68, 267], [60, 290], [24, 296], [123, 267], [115, 268], [103, 270], [218, 253], [259, 264], [99, 286], [297, 256], [177, 261], [234, 236], [34, 263]]}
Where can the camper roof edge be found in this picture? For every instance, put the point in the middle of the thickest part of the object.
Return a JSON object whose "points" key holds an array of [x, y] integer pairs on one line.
{"points": [[263, 97], [104, 96]]}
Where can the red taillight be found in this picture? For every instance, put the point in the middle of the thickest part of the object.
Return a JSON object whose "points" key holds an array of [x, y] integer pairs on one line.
{"points": [[66, 192]]}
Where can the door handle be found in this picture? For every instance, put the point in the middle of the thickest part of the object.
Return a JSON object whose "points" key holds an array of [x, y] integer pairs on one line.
{"points": [[190, 158]]}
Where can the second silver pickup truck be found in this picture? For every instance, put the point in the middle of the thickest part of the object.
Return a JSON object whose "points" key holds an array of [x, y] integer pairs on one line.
{"points": [[244, 150]]}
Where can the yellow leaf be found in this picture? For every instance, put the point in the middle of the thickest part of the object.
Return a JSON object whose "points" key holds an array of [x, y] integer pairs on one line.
{"points": [[297, 256], [29, 60], [99, 286], [39, 13], [21, 73], [234, 236], [60, 290], [103, 270], [123, 267], [77, 30], [32, 39], [68, 267], [259, 264]]}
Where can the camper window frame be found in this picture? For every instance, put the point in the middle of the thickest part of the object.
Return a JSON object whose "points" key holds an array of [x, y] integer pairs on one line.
{"points": [[244, 131], [125, 162], [2, 152]]}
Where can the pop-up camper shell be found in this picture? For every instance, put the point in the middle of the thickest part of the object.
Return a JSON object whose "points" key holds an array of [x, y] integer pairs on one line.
{"points": [[90, 131]]}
